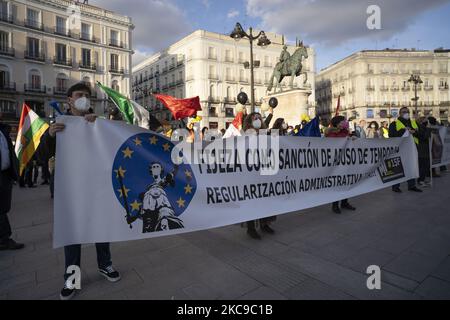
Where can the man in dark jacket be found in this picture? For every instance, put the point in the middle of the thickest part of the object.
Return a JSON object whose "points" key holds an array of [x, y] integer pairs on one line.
{"points": [[79, 103], [8, 174], [397, 129]]}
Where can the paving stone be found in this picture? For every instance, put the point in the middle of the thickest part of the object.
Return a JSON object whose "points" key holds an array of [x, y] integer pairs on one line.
{"points": [[443, 270], [263, 293], [435, 289], [312, 289], [398, 281], [413, 265], [18, 282], [367, 257]]}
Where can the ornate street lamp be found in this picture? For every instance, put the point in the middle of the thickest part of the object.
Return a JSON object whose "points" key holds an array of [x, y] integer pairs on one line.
{"points": [[415, 79], [237, 34]]}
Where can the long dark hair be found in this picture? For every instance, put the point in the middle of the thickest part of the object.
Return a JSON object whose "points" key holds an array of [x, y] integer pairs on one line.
{"points": [[247, 123], [278, 125]]}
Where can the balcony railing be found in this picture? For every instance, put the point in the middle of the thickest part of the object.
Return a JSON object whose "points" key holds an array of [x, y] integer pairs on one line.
{"points": [[394, 88], [59, 91], [370, 88], [62, 62], [8, 86], [212, 57], [116, 70], [172, 84], [172, 66], [164, 70], [229, 100], [89, 37], [243, 80], [229, 60], [179, 82], [34, 88], [62, 31], [406, 88], [116, 43], [180, 63], [34, 24], [6, 18], [230, 79], [7, 51], [384, 88], [87, 66], [444, 87], [213, 77], [32, 55], [428, 88]]}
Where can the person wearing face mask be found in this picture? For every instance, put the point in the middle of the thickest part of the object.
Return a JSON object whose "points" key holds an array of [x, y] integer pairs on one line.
{"points": [[398, 128], [339, 129], [372, 131], [281, 126], [254, 122], [423, 149], [384, 131], [79, 105]]}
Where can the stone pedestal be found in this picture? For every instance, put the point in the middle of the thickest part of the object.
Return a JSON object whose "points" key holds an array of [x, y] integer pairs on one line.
{"points": [[292, 105]]}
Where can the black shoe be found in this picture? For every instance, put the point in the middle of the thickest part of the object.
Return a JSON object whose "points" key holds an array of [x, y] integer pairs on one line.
{"points": [[415, 189], [336, 209], [110, 274], [348, 206], [253, 234], [67, 292], [10, 244], [267, 229], [44, 183], [396, 189]]}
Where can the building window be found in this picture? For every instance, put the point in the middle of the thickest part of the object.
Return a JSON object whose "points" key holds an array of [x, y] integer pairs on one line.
{"points": [[86, 57], [61, 26], [33, 47], [61, 52], [32, 18], [115, 63], [35, 80], [8, 108], [61, 83], [370, 114], [213, 125], [3, 10], [86, 32], [4, 76], [114, 38], [4, 41], [115, 85]]}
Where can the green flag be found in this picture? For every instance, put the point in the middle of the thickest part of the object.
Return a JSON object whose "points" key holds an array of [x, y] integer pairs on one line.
{"points": [[132, 112]]}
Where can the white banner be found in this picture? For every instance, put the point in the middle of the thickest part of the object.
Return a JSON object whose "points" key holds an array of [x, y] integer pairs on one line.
{"points": [[440, 147], [116, 182]]}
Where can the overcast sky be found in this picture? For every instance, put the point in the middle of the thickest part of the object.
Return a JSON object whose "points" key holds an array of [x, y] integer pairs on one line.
{"points": [[336, 28]]}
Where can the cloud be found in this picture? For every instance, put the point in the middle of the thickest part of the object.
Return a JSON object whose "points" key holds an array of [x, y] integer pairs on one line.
{"points": [[158, 23], [333, 22], [232, 13]]}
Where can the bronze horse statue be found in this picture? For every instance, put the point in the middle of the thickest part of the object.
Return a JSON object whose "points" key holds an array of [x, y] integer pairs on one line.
{"points": [[291, 67]]}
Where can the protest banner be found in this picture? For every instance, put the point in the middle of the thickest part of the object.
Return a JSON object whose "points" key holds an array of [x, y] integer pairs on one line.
{"points": [[117, 182], [440, 147]]}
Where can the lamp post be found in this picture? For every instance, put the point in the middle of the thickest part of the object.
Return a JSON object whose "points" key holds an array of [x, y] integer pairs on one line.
{"points": [[415, 79], [237, 34]]}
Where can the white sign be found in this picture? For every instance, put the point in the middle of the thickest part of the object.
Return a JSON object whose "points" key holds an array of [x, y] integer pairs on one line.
{"points": [[117, 182], [440, 147]]}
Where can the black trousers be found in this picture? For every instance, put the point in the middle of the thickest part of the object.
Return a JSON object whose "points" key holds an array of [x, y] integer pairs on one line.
{"points": [[73, 256], [5, 205], [411, 184], [251, 224], [424, 168], [343, 202]]}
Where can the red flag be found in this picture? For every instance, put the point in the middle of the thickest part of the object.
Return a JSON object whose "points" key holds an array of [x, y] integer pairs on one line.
{"points": [[180, 108], [338, 105]]}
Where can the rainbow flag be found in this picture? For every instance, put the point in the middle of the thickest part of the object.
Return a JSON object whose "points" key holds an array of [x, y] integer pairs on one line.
{"points": [[31, 129]]}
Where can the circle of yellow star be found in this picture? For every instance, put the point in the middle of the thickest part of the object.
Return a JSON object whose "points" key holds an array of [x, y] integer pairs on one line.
{"points": [[137, 141], [188, 189], [125, 190], [166, 147], [153, 140], [181, 202], [120, 172], [188, 173], [127, 153], [135, 206]]}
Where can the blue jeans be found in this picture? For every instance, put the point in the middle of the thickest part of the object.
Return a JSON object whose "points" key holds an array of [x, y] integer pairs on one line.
{"points": [[411, 184], [73, 256]]}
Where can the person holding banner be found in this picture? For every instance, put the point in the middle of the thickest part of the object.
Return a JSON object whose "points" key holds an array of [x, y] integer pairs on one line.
{"points": [[402, 127], [254, 122], [79, 103], [423, 149], [339, 129], [8, 174]]}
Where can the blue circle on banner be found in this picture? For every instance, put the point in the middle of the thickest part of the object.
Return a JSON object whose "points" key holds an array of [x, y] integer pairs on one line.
{"points": [[149, 186]]}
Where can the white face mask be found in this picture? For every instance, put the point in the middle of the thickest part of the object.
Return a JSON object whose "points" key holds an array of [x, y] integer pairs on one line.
{"points": [[405, 116], [82, 104], [284, 126], [256, 124], [373, 127]]}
